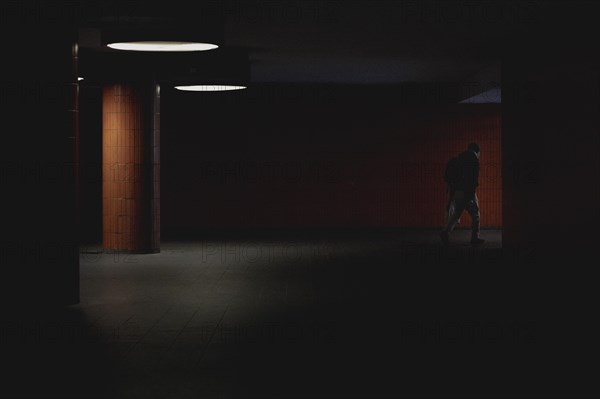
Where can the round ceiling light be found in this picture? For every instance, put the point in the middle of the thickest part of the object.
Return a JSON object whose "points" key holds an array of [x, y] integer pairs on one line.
{"points": [[162, 46], [209, 88]]}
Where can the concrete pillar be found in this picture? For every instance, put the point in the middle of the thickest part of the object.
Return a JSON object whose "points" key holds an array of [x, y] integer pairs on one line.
{"points": [[131, 167]]}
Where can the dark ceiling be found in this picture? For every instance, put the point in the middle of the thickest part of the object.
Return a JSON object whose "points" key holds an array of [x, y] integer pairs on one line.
{"points": [[346, 42]]}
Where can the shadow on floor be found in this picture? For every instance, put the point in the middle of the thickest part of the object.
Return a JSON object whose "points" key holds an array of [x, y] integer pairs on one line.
{"points": [[388, 313]]}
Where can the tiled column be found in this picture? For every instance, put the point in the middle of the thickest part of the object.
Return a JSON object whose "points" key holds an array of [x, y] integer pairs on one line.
{"points": [[131, 167]]}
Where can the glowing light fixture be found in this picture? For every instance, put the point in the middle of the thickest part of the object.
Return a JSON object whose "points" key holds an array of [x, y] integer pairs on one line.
{"points": [[79, 79], [209, 88], [162, 46]]}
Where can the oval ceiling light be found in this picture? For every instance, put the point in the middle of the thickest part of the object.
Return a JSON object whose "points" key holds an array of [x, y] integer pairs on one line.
{"points": [[162, 46], [79, 79], [209, 88]]}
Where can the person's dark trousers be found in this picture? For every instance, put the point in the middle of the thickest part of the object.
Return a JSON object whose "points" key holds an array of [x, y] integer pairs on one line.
{"points": [[469, 202], [450, 209]]}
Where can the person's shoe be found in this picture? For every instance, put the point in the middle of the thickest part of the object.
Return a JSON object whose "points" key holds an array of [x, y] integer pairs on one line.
{"points": [[477, 241], [444, 237]]}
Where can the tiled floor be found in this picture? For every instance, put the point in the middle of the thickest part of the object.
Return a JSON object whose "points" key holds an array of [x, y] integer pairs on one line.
{"points": [[354, 314]]}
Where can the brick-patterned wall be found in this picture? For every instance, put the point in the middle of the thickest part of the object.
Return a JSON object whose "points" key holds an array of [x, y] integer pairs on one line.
{"points": [[130, 186]]}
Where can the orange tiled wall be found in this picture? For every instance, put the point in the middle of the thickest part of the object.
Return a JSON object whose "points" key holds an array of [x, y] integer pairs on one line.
{"points": [[447, 136], [334, 164], [397, 176]]}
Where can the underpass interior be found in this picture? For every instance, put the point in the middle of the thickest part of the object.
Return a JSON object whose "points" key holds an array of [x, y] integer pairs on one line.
{"points": [[281, 238]]}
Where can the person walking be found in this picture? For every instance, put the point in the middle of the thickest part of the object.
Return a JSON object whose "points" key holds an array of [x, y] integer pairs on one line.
{"points": [[464, 194]]}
